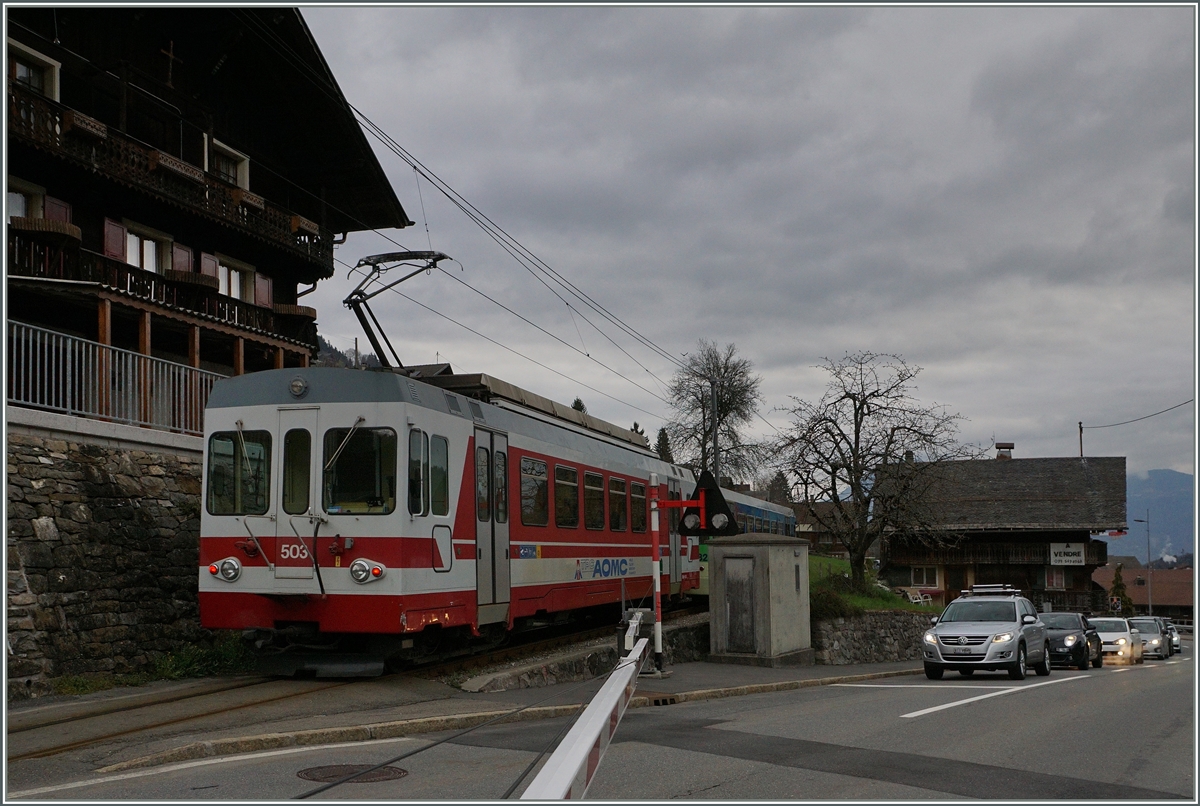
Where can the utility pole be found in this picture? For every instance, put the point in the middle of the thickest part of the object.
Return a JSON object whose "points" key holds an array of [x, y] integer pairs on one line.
{"points": [[1149, 570], [716, 464]]}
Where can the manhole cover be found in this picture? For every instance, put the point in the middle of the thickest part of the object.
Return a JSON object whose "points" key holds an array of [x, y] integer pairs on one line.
{"points": [[336, 772]]}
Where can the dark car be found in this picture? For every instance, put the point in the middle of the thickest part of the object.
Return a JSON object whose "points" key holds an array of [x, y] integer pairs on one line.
{"points": [[1073, 641]]}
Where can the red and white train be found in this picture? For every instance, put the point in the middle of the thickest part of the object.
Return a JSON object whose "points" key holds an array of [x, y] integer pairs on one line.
{"points": [[387, 512]]}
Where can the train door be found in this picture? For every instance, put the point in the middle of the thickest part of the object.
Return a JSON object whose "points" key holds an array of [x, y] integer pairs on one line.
{"points": [[297, 493], [492, 579], [674, 566]]}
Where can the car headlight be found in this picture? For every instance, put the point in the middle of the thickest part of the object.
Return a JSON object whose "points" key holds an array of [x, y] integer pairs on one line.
{"points": [[1070, 640], [1154, 642], [1121, 642], [1000, 638], [930, 638]]}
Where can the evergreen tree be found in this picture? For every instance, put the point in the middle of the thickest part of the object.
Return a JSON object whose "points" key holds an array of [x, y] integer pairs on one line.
{"points": [[637, 429], [663, 446], [778, 490], [578, 405], [1118, 592]]}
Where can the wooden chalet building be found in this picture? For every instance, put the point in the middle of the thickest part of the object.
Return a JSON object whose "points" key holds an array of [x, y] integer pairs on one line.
{"points": [[1025, 522], [177, 180]]}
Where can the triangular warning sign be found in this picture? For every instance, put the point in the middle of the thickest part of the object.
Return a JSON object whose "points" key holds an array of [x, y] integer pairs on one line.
{"points": [[714, 503]]}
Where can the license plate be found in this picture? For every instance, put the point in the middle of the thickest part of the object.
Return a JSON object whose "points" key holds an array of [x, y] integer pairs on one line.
{"points": [[963, 650]]}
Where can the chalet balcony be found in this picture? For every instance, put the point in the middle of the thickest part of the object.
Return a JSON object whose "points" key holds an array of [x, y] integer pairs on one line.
{"points": [[968, 552], [60, 373], [91, 145], [34, 257]]}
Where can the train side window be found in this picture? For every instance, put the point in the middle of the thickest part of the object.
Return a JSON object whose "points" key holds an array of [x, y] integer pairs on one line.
{"points": [[418, 472], [361, 478], [637, 506], [483, 500], [535, 493], [616, 505], [500, 481], [439, 475], [593, 500], [239, 472], [758, 524], [297, 461], [566, 497]]}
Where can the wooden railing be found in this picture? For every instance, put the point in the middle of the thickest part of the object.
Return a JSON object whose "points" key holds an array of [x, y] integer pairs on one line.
{"points": [[52, 126], [968, 551], [28, 257]]}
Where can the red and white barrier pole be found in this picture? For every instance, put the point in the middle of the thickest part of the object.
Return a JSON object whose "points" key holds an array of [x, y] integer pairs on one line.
{"points": [[655, 566]]}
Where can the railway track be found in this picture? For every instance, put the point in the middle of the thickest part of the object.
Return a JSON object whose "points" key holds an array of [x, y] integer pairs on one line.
{"points": [[40, 739], [531, 648], [63, 727]]}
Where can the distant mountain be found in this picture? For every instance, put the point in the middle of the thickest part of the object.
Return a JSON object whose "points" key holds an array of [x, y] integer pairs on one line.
{"points": [[1168, 495]]}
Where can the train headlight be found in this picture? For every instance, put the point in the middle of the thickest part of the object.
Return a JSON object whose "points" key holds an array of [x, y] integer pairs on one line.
{"points": [[228, 569], [364, 571]]}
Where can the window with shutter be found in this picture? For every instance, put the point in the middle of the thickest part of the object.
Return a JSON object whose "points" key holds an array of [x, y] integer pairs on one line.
{"points": [[209, 265], [114, 239], [262, 291], [56, 210], [181, 258]]}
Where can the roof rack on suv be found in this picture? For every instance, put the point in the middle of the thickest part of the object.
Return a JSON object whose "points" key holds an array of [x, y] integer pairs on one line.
{"points": [[991, 590]]}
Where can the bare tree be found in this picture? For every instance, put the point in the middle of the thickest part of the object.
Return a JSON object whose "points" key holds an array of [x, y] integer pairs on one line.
{"points": [[738, 397], [872, 449]]}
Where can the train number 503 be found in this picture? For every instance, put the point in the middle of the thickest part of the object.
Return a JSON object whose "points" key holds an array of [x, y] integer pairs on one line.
{"points": [[293, 551]]}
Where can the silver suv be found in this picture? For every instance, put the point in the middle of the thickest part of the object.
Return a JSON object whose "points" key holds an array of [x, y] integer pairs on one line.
{"points": [[990, 627]]}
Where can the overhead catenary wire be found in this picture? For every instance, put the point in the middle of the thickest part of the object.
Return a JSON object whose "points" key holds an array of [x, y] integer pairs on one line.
{"points": [[513, 247], [511, 350], [524, 256]]}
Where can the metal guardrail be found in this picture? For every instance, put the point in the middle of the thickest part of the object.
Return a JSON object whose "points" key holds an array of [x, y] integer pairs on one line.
{"points": [[569, 771], [57, 372]]}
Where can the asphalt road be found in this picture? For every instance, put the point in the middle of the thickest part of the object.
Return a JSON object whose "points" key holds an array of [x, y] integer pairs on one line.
{"points": [[1115, 733]]}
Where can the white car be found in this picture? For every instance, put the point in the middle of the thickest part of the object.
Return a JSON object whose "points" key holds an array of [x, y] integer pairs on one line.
{"points": [[1121, 641]]}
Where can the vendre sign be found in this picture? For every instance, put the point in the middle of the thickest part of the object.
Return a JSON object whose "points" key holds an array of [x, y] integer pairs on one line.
{"points": [[1066, 553]]}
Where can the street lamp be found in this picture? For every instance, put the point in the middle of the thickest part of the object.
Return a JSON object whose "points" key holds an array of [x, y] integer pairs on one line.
{"points": [[1149, 569]]}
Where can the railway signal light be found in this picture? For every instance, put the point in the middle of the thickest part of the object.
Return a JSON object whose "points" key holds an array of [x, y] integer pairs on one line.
{"points": [[712, 518]]}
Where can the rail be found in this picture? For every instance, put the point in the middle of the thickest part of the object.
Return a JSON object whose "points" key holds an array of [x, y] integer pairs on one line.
{"points": [[92, 145], [569, 771], [61, 373]]}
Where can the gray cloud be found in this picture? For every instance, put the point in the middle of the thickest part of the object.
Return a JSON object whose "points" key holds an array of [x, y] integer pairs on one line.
{"points": [[1003, 195]]}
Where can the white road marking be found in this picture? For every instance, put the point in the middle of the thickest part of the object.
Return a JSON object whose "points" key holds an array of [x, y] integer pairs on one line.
{"points": [[125, 776], [913, 685], [986, 696]]}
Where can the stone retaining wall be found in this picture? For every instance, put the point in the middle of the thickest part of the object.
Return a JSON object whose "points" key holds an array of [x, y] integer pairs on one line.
{"points": [[874, 637], [102, 555]]}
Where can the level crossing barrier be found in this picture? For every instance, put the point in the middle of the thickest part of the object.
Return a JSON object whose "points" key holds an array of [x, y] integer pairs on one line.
{"points": [[568, 772]]}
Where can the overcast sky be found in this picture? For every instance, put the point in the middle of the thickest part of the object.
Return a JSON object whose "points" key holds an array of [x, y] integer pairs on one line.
{"points": [[1003, 196]]}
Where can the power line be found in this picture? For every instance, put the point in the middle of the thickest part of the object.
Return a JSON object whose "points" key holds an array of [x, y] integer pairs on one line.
{"points": [[523, 256], [285, 52], [1137, 419], [510, 349]]}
